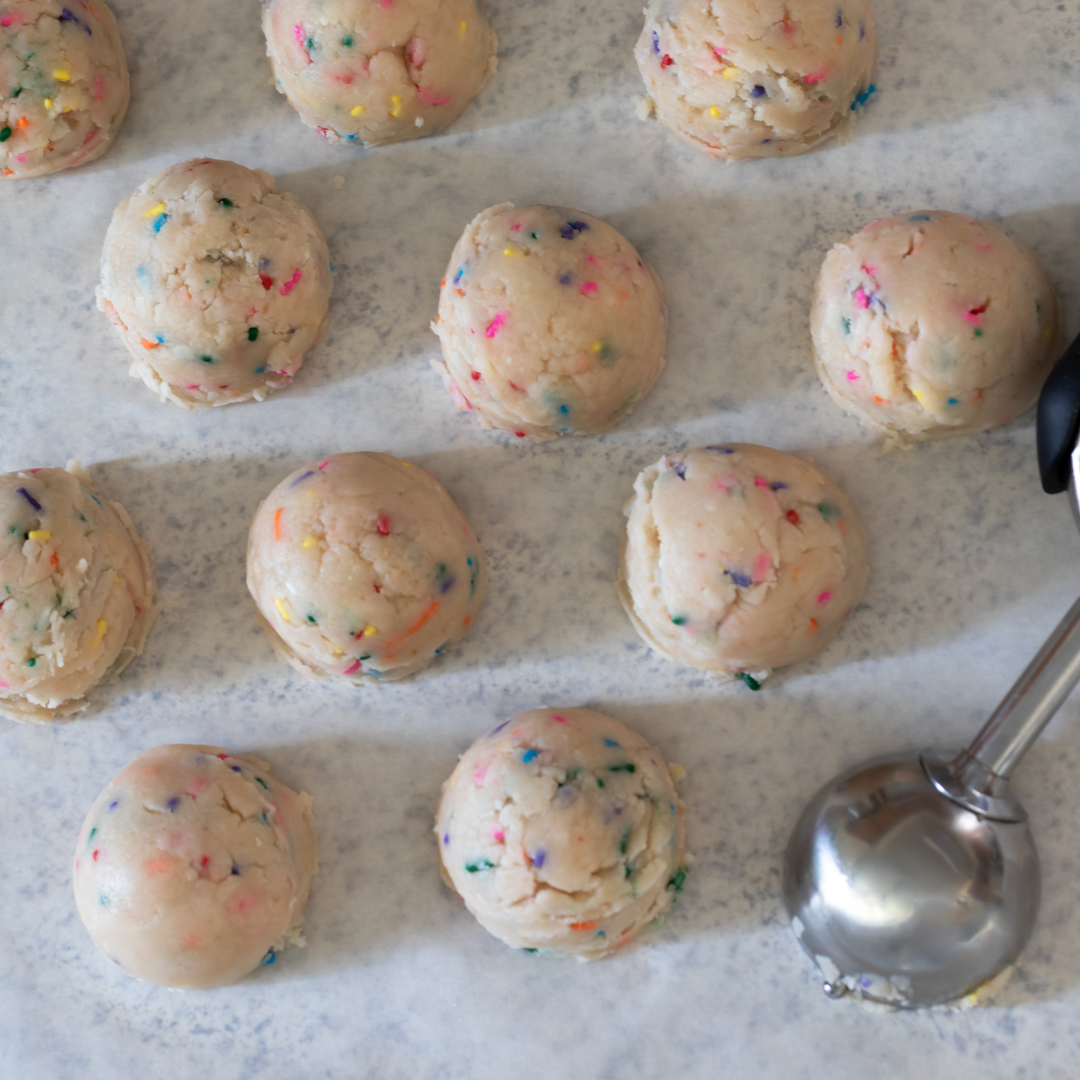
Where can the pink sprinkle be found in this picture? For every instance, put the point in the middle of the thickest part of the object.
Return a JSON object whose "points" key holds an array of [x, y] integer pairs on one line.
{"points": [[7, 20], [498, 834], [764, 565], [417, 53], [514, 228], [852, 376], [720, 50], [559, 719], [386, 3], [719, 485], [496, 324], [591, 259], [191, 387], [4, 685], [325, 463], [460, 400], [298, 33], [382, 523], [90, 135], [588, 287], [429, 97], [973, 317], [824, 597], [811, 79], [99, 88], [871, 270], [20, 158], [352, 667], [760, 481], [861, 299], [985, 247], [290, 284], [479, 774]]}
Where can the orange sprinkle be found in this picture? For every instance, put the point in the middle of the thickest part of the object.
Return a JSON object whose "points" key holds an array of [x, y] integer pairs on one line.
{"points": [[277, 523], [53, 560], [813, 626], [22, 123], [193, 941], [158, 866], [842, 525], [424, 618], [590, 925], [466, 620], [442, 284], [879, 400], [149, 344]]}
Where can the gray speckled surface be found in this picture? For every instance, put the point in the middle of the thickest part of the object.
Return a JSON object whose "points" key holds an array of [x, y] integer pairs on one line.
{"points": [[979, 111]]}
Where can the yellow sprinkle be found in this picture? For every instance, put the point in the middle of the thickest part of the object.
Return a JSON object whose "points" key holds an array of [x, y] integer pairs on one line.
{"points": [[66, 108], [61, 75], [40, 535], [714, 111], [102, 626], [597, 346], [154, 211], [396, 110], [369, 630], [511, 251], [919, 398], [357, 110], [339, 652], [47, 103], [461, 27], [279, 603], [309, 542], [731, 73]]}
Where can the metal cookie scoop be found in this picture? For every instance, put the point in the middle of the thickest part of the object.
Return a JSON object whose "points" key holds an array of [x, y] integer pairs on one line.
{"points": [[913, 879]]}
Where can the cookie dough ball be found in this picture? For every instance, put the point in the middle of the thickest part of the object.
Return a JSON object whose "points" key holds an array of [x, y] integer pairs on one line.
{"points": [[550, 323], [77, 592], [933, 324], [363, 569], [773, 77], [63, 85], [739, 559], [217, 283], [562, 832], [372, 71], [193, 866]]}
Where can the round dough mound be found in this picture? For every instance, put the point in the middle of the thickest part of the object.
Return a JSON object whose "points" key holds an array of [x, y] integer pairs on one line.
{"points": [[63, 85], [217, 283], [193, 866], [739, 559], [932, 324], [363, 569], [562, 832], [746, 80], [77, 592], [372, 71], [550, 323]]}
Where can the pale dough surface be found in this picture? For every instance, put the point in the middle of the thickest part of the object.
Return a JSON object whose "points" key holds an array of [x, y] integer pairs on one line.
{"points": [[77, 592], [378, 71], [217, 282], [931, 324], [363, 568], [64, 85], [763, 78], [193, 866], [562, 832], [550, 322], [739, 559]]}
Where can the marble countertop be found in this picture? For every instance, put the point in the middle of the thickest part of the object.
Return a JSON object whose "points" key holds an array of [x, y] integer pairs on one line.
{"points": [[978, 110]]}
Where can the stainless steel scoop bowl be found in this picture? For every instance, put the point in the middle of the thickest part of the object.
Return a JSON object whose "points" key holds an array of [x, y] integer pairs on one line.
{"points": [[913, 879]]}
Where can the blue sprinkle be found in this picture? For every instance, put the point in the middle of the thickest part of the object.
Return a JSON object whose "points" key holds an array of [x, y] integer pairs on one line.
{"points": [[160, 339], [538, 858], [721, 449], [448, 584], [953, 401], [564, 409], [610, 742], [173, 804], [95, 498], [260, 370], [458, 276], [565, 279], [333, 268], [469, 561], [446, 838], [920, 217], [778, 486], [758, 91], [680, 471], [741, 580], [351, 138], [529, 755], [655, 42], [268, 959], [159, 221], [599, 933], [861, 99]]}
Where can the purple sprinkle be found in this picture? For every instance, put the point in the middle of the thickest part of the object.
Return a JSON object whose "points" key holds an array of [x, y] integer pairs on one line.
{"points": [[235, 768], [565, 279], [446, 838], [457, 276], [655, 42], [618, 810], [758, 91], [538, 858], [778, 486], [299, 479], [839, 18], [28, 497], [235, 869], [740, 579], [114, 804], [496, 730], [865, 982], [862, 31], [721, 449], [680, 471], [529, 755], [764, 141], [172, 804], [568, 231], [448, 584], [264, 264]]}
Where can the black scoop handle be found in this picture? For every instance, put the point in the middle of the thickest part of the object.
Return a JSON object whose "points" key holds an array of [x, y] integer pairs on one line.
{"points": [[1058, 422]]}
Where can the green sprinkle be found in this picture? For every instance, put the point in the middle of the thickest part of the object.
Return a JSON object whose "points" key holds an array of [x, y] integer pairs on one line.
{"points": [[347, 42], [5, 134], [847, 325], [532, 950], [225, 202], [31, 662], [535, 235], [311, 618], [679, 620], [623, 842], [16, 92], [628, 873], [253, 333], [678, 880], [978, 333], [599, 782], [366, 656], [207, 359], [829, 510], [572, 774], [480, 864], [260, 780], [104, 900], [310, 43], [628, 766], [93, 833], [749, 680], [1038, 307]]}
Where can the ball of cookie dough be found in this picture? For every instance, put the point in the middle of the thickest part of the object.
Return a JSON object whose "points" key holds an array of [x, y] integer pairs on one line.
{"points": [[932, 324], [371, 71], [218, 283], [549, 321], [363, 569], [193, 866], [562, 832], [63, 85], [77, 592], [743, 80], [739, 559]]}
